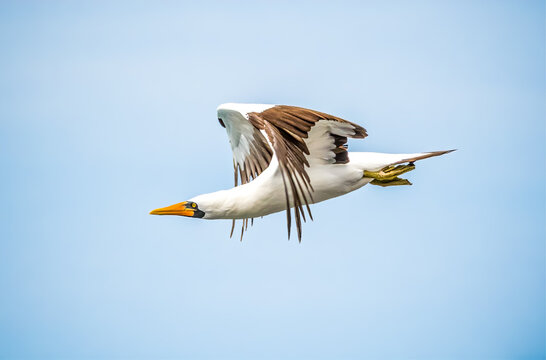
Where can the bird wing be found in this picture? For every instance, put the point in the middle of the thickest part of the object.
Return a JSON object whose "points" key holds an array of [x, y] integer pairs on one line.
{"points": [[298, 137], [251, 152]]}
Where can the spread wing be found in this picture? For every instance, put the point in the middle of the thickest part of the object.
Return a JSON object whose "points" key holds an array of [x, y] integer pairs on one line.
{"points": [[251, 152], [299, 138]]}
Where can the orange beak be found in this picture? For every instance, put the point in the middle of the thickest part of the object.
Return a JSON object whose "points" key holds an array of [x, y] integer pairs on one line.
{"points": [[177, 209]]}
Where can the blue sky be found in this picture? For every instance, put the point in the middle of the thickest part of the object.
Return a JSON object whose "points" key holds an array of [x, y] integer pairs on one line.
{"points": [[107, 110]]}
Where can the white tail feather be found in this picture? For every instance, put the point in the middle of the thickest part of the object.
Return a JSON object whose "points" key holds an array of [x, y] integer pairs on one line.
{"points": [[376, 161]]}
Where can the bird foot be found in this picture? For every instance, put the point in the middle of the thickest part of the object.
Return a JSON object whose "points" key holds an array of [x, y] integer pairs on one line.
{"points": [[395, 182], [388, 176], [389, 172]]}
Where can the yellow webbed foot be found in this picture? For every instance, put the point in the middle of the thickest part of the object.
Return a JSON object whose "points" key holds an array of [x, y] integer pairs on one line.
{"points": [[389, 172], [388, 176], [395, 182]]}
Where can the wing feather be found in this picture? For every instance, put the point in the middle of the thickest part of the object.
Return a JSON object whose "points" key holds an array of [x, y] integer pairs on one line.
{"points": [[297, 136], [288, 129], [251, 152]]}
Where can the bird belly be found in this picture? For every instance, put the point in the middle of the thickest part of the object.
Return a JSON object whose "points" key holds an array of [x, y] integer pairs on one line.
{"points": [[334, 180], [267, 195]]}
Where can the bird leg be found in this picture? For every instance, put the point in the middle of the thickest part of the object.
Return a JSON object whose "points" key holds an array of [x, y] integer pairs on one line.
{"points": [[388, 176], [395, 182], [389, 172]]}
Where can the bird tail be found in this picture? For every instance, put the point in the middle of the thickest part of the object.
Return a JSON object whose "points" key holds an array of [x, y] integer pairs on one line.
{"points": [[384, 169], [376, 161]]}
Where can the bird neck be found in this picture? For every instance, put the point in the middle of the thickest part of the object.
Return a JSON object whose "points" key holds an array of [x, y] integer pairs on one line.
{"points": [[257, 198], [234, 203]]}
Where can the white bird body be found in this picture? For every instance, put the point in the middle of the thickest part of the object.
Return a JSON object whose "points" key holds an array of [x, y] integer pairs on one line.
{"points": [[265, 194], [290, 157]]}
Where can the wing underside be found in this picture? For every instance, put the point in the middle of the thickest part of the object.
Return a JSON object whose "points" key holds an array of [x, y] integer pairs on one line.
{"points": [[299, 138]]}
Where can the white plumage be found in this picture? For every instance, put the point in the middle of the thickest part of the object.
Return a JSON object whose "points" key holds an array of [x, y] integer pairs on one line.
{"points": [[289, 157]]}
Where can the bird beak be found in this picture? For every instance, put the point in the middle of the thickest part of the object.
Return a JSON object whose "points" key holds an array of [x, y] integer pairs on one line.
{"points": [[176, 209]]}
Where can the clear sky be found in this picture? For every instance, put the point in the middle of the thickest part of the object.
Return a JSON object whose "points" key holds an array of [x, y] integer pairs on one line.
{"points": [[107, 111]]}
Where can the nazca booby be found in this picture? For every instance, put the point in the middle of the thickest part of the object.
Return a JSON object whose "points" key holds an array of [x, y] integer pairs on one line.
{"points": [[290, 157]]}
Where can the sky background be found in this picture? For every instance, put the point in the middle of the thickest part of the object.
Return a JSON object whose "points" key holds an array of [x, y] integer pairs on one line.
{"points": [[107, 111]]}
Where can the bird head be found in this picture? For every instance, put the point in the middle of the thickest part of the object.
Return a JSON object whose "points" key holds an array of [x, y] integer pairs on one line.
{"points": [[186, 208]]}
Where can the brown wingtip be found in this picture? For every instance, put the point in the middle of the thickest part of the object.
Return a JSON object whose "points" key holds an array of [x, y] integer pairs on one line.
{"points": [[424, 156], [360, 132], [438, 153]]}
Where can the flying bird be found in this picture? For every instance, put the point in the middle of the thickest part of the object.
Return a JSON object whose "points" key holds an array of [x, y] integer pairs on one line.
{"points": [[288, 157]]}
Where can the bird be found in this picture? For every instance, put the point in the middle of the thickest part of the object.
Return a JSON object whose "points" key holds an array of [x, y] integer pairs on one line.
{"points": [[286, 158]]}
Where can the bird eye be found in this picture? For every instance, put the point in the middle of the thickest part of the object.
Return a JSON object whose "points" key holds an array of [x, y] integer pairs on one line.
{"points": [[193, 205], [221, 123]]}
